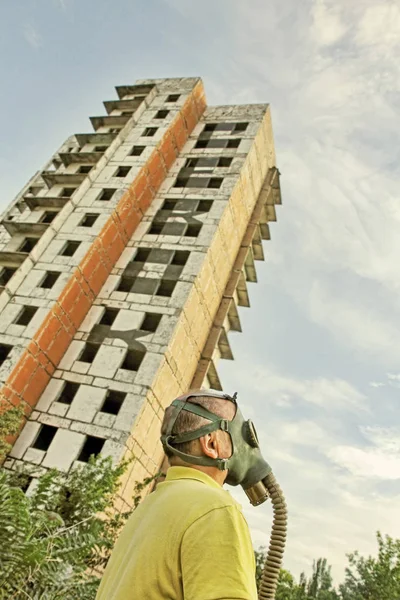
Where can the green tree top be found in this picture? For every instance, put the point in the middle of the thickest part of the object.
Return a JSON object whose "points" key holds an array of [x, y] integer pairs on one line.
{"points": [[53, 542], [374, 578]]}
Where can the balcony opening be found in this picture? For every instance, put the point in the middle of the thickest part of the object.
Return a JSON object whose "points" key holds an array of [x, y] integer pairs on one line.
{"points": [[125, 284], [150, 322], [5, 350], [49, 279], [122, 172], [204, 164], [107, 194], [109, 316], [240, 127], [142, 255], [91, 447], [67, 192], [133, 360], [149, 131], [25, 482], [217, 143], [136, 151], [85, 169], [89, 352], [169, 205], [180, 257], [166, 288], [44, 437], [215, 182], [113, 402], [88, 220], [156, 228], [198, 182], [225, 161], [34, 190], [204, 206], [68, 392], [161, 114], [48, 217], [70, 248], [28, 245], [26, 315], [193, 230], [173, 97], [6, 275]]}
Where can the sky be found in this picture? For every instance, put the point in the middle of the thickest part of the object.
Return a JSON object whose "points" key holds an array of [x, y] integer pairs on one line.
{"points": [[317, 366]]}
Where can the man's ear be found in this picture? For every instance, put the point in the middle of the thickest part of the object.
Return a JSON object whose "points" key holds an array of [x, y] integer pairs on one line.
{"points": [[209, 445]]}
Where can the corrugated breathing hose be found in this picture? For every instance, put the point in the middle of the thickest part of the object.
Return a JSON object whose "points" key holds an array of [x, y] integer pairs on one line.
{"points": [[273, 562]]}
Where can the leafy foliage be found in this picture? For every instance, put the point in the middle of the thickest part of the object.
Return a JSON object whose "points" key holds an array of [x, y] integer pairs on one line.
{"points": [[259, 556], [53, 542], [372, 578], [319, 586], [10, 422], [286, 585]]}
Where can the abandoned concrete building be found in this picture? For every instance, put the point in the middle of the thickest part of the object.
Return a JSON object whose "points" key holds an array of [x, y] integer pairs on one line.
{"points": [[123, 264]]}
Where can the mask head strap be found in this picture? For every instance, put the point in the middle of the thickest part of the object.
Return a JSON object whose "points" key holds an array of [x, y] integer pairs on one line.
{"points": [[182, 403]]}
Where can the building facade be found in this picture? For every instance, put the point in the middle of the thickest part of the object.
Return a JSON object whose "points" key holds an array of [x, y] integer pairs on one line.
{"points": [[123, 263]]}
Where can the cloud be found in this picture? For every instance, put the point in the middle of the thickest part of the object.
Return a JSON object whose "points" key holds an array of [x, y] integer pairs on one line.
{"points": [[393, 377], [284, 391], [324, 498], [385, 438], [331, 512], [367, 463], [62, 4], [331, 74], [376, 384], [379, 26], [362, 327], [304, 432], [324, 502], [32, 36], [328, 26], [380, 461]]}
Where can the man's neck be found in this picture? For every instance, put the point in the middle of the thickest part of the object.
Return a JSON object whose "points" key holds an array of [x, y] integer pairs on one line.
{"points": [[218, 476]]}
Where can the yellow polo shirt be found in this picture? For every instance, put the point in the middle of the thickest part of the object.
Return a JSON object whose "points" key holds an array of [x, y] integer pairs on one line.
{"points": [[188, 540]]}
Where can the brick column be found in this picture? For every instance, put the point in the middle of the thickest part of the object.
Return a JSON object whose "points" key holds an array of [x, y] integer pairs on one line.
{"points": [[39, 361]]}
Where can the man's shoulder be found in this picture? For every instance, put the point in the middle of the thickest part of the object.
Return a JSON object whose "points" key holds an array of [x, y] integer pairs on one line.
{"points": [[203, 498], [218, 494], [186, 495], [193, 498]]}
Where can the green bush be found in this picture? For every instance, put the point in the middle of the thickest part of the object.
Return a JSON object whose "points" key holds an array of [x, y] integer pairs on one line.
{"points": [[53, 542]]}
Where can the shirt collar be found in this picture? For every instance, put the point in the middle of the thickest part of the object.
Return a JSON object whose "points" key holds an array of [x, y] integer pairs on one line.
{"points": [[175, 473]]}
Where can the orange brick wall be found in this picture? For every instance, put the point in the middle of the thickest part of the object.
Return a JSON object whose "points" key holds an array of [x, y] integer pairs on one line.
{"points": [[39, 360]]}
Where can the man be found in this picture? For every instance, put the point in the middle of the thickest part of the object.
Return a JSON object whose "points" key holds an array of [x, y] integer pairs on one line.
{"points": [[188, 540]]}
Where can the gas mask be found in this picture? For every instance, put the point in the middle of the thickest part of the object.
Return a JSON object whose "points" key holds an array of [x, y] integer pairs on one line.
{"points": [[246, 466]]}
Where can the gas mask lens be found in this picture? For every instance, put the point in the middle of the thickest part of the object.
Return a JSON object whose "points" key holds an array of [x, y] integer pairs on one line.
{"points": [[251, 434]]}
